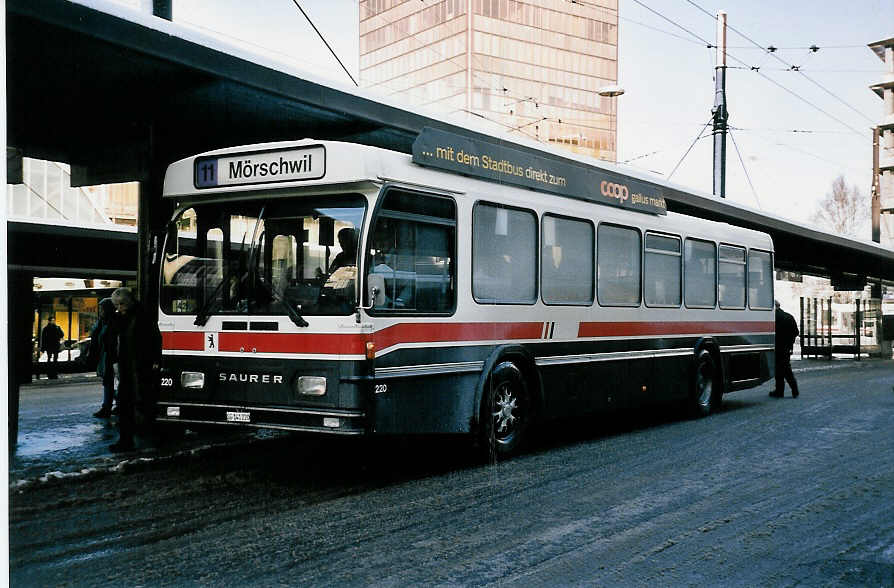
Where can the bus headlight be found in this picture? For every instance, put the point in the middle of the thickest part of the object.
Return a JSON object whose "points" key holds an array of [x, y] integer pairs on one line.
{"points": [[311, 386], [192, 380]]}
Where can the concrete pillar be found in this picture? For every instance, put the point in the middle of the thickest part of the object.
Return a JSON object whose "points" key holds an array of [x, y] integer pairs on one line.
{"points": [[152, 217], [20, 308]]}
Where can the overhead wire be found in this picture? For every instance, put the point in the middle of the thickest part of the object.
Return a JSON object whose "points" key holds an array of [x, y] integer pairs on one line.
{"points": [[656, 29], [805, 131], [502, 124], [281, 56], [745, 169], [815, 156], [757, 71], [700, 133], [676, 24], [801, 68], [325, 42], [811, 47], [789, 65], [641, 156]]}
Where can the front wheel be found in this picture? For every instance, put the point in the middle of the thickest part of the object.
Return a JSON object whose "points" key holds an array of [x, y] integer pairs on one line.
{"points": [[506, 410], [706, 393]]}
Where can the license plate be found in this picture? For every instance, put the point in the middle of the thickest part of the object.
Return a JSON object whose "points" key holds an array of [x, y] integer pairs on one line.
{"points": [[238, 417]]}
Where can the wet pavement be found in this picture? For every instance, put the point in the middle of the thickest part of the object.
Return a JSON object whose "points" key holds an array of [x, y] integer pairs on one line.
{"points": [[60, 438], [766, 492]]}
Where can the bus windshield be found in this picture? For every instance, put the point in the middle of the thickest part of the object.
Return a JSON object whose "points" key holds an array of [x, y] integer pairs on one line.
{"points": [[296, 257]]}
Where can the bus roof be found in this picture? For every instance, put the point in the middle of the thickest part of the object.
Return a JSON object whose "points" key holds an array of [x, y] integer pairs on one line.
{"points": [[288, 165], [308, 162]]}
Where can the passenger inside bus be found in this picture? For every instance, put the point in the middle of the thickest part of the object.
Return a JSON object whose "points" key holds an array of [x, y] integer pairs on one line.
{"points": [[339, 285], [383, 264]]}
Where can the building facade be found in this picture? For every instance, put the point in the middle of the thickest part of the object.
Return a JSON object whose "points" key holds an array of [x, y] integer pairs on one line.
{"points": [[43, 194], [884, 182], [531, 66]]}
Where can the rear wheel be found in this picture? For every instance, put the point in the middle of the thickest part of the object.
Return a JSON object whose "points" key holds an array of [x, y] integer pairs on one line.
{"points": [[705, 397], [506, 411]]}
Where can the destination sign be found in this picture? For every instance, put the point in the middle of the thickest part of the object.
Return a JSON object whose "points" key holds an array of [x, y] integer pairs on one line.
{"points": [[546, 173], [264, 167]]}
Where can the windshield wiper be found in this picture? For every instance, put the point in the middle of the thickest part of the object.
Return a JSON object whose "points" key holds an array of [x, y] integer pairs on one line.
{"points": [[204, 313], [293, 314]]}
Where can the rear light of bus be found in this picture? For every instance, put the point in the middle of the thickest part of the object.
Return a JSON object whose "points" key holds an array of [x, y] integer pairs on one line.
{"points": [[311, 386], [192, 380]]}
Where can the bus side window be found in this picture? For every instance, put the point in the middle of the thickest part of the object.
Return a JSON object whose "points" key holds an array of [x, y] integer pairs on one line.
{"points": [[411, 253], [504, 255], [731, 277], [618, 270], [566, 257], [699, 273], [661, 274], [760, 280]]}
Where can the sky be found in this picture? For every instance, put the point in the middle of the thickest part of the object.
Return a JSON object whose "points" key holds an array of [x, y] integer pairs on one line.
{"points": [[793, 132]]}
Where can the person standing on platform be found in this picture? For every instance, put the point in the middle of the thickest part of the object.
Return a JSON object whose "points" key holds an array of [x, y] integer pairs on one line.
{"points": [[104, 354], [50, 341], [139, 356], [786, 333]]}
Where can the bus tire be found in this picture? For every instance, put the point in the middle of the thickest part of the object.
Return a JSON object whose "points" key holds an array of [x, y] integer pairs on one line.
{"points": [[705, 397], [506, 411]]}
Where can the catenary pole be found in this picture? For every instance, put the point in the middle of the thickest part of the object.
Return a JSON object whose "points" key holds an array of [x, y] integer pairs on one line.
{"points": [[721, 115]]}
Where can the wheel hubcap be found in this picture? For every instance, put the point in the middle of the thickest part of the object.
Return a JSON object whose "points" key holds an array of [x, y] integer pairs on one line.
{"points": [[505, 420]]}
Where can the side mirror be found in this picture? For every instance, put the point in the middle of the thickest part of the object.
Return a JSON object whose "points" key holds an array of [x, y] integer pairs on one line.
{"points": [[376, 285]]}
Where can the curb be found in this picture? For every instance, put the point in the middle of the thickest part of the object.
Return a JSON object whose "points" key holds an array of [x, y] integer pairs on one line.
{"points": [[63, 380], [813, 365]]}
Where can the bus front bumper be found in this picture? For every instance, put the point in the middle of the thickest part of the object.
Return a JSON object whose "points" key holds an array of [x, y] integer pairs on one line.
{"points": [[327, 421]]}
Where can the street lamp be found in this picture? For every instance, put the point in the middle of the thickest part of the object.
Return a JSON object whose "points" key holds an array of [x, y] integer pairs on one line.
{"points": [[612, 92]]}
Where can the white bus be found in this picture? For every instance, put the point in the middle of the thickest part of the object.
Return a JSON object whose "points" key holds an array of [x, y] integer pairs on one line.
{"points": [[468, 289]]}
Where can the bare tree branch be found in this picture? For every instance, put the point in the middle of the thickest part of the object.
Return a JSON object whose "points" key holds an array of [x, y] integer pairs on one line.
{"points": [[844, 211]]}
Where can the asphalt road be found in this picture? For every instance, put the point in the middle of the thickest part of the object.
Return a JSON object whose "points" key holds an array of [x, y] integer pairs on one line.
{"points": [[767, 492]]}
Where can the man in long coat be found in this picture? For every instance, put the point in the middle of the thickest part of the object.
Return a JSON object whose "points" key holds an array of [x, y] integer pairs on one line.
{"points": [[139, 356], [50, 341], [786, 333]]}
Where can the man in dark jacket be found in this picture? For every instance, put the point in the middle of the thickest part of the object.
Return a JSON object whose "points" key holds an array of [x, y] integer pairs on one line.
{"points": [[786, 332], [104, 354], [50, 339], [139, 355]]}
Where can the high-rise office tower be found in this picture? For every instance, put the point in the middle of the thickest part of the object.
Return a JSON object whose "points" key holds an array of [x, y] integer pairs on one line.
{"points": [[534, 67]]}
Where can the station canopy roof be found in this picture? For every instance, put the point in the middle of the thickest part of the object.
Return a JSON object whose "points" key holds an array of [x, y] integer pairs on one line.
{"points": [[119, 94]]}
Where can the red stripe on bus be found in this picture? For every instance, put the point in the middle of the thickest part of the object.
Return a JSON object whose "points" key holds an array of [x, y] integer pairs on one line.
{"points": [[448, 332], [631, 329], [182, 341], [355, 344], [348, 344]]}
